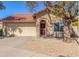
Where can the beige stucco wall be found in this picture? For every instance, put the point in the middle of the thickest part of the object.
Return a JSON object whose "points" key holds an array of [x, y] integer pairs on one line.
{"points": [[20, 29], [39, 17], [44, 16]]}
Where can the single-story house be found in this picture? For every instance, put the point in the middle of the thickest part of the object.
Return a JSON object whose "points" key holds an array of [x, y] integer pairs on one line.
{"points": [[37, 24]]}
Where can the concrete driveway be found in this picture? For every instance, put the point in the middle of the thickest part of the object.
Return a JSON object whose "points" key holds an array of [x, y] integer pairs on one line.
{"points": [[37, 47], [11, 47]]}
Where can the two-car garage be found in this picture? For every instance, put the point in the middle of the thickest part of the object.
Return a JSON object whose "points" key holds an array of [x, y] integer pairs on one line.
{"points": [[19, 25], [20, 29]]}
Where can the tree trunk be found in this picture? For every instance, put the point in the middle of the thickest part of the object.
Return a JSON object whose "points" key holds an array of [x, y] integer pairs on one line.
{"points": [[66, 29], [66, 33]]}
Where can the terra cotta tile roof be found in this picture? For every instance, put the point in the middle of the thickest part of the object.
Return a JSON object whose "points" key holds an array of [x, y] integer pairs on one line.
{"points": [[19, 18]]}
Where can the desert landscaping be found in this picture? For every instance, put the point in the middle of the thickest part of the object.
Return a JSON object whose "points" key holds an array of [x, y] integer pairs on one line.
{"points": [[34, 47]]}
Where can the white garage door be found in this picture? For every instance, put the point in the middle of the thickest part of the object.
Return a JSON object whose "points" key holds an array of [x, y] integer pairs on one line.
{"points": [[21, 29]]}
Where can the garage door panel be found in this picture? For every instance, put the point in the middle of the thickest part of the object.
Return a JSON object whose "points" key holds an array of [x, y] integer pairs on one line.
{"points": [[29, 29], [26, 31]]}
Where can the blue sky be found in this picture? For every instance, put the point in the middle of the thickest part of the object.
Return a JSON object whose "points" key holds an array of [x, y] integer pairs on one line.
{"points": [[15, 7]]}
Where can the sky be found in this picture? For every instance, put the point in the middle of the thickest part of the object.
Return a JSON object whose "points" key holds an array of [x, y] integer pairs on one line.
{"points": [[17, 7]]}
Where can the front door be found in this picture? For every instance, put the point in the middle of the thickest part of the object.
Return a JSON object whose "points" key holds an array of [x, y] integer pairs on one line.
{"points": [[42, 27]]}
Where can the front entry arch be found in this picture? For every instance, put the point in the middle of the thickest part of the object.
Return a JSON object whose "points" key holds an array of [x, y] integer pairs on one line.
{"points": [[42, 27]]}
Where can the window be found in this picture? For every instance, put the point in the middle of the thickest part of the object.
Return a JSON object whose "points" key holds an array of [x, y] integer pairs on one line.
{"points": [[58, 26]]}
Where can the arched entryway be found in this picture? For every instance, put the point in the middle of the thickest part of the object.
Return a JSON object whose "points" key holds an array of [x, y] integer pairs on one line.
{"points": [[42, 27]]}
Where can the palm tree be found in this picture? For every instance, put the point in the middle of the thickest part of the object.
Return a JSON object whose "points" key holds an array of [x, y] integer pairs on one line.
{"points": [[58, 8]]}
